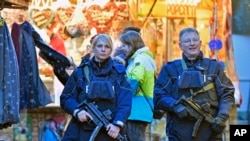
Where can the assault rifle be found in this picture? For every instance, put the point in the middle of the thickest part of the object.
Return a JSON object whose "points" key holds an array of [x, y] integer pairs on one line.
{"points": [[196, 112], [100, 119]]}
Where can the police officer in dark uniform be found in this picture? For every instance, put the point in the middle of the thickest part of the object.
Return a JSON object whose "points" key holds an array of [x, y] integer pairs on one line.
{"points": [[106, 85], [201, 79]]}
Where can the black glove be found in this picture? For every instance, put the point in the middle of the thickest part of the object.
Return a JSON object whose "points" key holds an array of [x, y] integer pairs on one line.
{"points": [[181, 111], [218, 124], [204, 104], [158, 114], [206, 107]]}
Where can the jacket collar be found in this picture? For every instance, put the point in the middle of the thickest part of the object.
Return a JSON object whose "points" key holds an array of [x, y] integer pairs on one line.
{"points": [[191, 62], [140, 51], [103, 68]]}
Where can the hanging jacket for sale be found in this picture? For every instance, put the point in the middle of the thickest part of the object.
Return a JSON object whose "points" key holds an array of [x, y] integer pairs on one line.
{"points": [[9, 79], [33, 92]]}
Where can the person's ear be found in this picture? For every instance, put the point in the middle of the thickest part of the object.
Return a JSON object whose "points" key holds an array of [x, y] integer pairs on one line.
{"points": [[180, 45]]}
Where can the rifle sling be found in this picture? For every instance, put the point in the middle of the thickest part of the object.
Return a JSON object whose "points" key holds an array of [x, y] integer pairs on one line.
{"points": [[203, 89], [95, 132]]}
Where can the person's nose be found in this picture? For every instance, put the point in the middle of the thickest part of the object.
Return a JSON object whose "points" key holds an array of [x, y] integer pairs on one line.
{"points": [[103, 48], [192, 42]]}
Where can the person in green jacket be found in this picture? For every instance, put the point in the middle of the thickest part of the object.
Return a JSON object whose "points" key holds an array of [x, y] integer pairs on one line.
{"points": [[141, 70]]}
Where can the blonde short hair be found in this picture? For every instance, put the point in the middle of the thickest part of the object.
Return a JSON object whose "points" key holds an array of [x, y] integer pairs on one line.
{"points": [[105, 38]]}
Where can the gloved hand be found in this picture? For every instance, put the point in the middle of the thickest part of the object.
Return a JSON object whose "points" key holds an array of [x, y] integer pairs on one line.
{"points": [[218, 124], [181, 111], [204, 104], [206, 107]]}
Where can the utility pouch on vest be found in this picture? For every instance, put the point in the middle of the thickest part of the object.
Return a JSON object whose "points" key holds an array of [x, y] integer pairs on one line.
{"points": [[100, 90], [191, 79]]}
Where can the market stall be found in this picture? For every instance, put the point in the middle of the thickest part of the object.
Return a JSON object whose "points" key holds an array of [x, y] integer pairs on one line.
{"points": [[76, 21]]}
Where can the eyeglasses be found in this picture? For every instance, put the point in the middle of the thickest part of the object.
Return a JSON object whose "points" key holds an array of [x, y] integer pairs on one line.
{"points": [[188, 41]]}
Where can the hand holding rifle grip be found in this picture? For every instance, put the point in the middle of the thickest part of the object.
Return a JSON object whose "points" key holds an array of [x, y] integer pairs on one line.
{"points": [[196, 112], [100, 119]]}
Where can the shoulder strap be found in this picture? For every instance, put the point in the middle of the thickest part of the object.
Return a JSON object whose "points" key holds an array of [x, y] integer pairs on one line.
{"points": [[179, 65], [183, 64], [86, 73], [147, 100], [211, 65]]}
